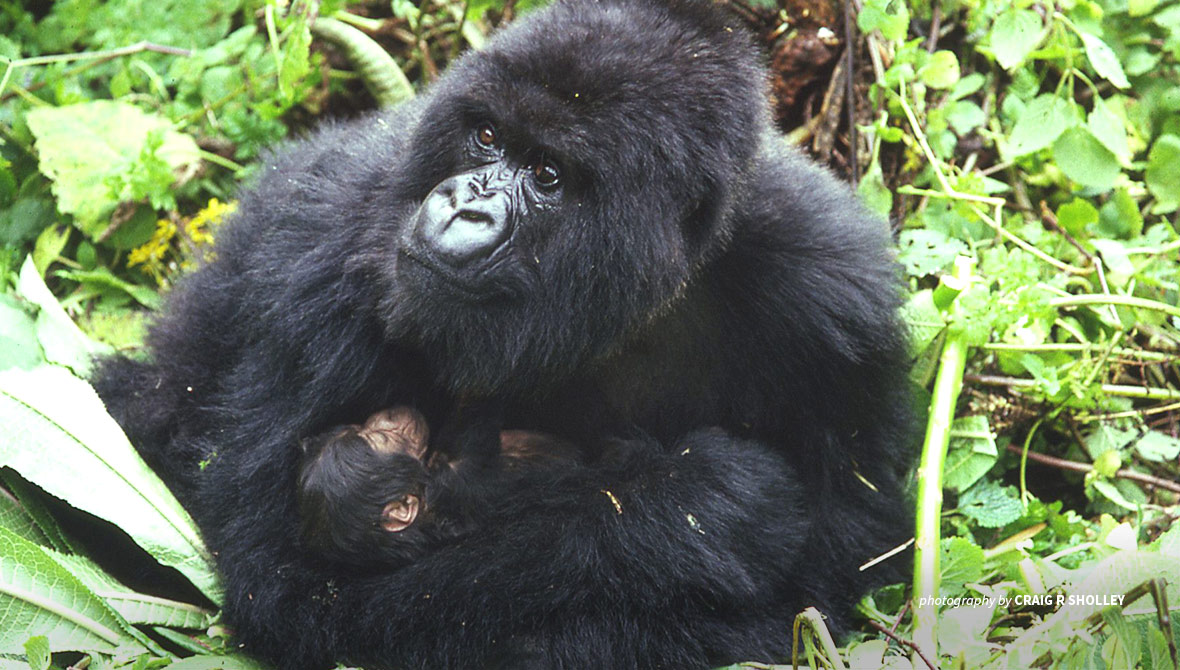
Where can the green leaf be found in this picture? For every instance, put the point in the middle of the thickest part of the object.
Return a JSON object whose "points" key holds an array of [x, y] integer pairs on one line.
{"points": [[1109, 129], [136, 608], [62, 342], [965, 116], [990, 505], [24, 514], [1158, 447], [102, 278], [1104, 60], [1014, 35], [1120, 217], [1085, 160], [58, 435], [85, 148], [941, 71], [49, 246], [217, 663], [1043, 120], [971, 454], [38, 653], [924, 321], [891, 17], [1141, 7], [38, 596], [1163, 176], [962, 563], [18, 336], [1107, 438], [1075, 215], [873, 192], [924, 251]]}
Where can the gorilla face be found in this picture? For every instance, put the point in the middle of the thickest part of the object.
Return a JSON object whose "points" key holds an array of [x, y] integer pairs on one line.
{"points": [[573, 187]]}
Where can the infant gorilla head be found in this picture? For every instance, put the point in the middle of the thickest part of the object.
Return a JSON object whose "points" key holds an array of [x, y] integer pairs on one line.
{"points": [[374, 495]]}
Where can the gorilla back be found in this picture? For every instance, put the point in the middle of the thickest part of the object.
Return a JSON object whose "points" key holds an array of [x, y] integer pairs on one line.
{"points": [[591, 224]]}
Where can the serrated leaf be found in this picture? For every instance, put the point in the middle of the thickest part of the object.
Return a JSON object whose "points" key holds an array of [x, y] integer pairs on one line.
{"points": [[924, 321], [57, 434], [136, 608], [961, 563], [26, 516], [1085, 160], [1104, 60], [1042, 122], [1014, 35], [82, 147], [1162, 177], [990, 504], [38, 596]]}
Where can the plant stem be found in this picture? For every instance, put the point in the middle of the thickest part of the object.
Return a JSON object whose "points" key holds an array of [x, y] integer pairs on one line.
{"points": [[927, 543]]}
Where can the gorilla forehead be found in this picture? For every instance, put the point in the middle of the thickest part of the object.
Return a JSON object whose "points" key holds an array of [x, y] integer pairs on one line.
{"points": [[619, 83]]}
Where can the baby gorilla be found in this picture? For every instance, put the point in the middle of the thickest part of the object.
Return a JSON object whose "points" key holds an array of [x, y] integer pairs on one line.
{"points": [[371, 496]]}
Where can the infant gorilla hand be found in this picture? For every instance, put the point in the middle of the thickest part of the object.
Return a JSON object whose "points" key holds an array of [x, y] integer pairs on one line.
{"points": [[374, 495]]}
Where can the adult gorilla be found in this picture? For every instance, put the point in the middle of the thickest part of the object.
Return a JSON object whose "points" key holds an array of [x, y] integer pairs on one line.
{"points": [[591, 224]]}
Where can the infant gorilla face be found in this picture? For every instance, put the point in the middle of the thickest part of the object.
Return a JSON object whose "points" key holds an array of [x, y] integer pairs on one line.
{"points": [[396, 433], [361, 486]]}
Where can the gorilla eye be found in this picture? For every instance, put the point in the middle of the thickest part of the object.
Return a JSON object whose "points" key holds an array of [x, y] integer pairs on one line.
{"points": [[485, 134], [546, 173]]}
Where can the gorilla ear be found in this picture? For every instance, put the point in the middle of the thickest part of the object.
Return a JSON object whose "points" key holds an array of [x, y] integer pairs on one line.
{"points": [[399, 514]]}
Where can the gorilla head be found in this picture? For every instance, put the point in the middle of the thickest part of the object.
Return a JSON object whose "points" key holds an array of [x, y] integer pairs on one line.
{"points": [[577, 171]]}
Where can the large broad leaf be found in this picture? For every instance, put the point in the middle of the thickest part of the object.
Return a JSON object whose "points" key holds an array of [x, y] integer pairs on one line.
{"points": [[58, 435], [61, 341], [39, 596], [136, 608], [83, 147]]}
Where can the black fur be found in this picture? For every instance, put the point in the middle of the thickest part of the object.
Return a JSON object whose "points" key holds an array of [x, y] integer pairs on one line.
{"points": [[700, 287]]}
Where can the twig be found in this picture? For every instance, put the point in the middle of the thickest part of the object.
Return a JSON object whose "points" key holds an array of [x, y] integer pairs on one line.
{"points": [[1121, 390], [109, 54], [1076, 466], [850, 93], [1159, 593], [904, 642]]}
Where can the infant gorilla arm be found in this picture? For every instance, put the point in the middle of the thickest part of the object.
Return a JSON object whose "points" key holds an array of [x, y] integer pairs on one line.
{"points": [[371, 496], [591, 225]]}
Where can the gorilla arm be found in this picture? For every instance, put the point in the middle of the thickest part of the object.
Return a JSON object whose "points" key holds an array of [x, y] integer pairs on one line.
{"points": [[652, 558]]}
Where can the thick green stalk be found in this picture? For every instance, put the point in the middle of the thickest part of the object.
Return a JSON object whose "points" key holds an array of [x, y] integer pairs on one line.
{"points": [[947, 385]]}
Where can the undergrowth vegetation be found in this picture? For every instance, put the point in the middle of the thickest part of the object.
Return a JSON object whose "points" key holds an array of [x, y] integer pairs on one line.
{"points": [[1028, 153]]}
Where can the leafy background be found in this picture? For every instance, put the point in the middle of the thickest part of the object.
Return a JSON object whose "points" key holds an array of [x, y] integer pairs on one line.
{"points": [[1027, 153]]}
